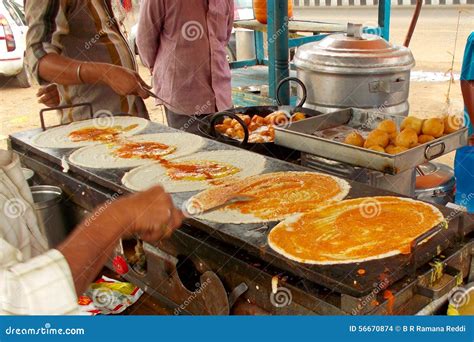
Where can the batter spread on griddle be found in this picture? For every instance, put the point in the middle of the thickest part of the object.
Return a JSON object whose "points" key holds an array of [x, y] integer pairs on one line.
{"points": [[143, 150], [277, 196], [354, 230], [99, 134], [199, 170]]}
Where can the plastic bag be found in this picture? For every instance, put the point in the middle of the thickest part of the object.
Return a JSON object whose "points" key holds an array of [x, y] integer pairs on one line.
{"points": [[108, 297]]}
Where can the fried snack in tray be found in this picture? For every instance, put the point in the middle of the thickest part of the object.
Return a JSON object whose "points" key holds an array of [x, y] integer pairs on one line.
{"points": [[261, 129], [355, 139], [413, 132]]}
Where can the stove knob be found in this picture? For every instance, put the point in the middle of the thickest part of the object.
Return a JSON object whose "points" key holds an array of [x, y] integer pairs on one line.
{"points": [[120, 265]]}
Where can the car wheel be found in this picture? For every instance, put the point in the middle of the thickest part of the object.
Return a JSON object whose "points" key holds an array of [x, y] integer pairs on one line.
{"points": [[24, 78]]}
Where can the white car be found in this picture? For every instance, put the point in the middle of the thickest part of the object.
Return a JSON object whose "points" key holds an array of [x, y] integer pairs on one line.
{"points": [[13, 42]]}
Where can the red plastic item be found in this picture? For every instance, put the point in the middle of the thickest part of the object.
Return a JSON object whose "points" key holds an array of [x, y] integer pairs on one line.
{"points": [[120, 265], [127, 5]]}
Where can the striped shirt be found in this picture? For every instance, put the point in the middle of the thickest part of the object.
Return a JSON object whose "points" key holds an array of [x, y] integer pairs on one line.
{"points": [[33, 280], [42, 285], [85, 30]]}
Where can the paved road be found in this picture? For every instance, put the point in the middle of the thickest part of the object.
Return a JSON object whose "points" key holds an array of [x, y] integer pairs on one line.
{"points": [[434, 38]]}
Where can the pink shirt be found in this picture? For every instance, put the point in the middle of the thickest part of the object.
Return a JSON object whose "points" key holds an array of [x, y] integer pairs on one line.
{"points": [[184, 43]]}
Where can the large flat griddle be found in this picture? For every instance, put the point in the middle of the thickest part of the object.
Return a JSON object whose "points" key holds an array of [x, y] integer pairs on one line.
{"points": [[252, 238]]}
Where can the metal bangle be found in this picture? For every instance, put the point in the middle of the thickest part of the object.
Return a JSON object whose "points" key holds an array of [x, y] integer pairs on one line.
{"points": [[78, 73]]}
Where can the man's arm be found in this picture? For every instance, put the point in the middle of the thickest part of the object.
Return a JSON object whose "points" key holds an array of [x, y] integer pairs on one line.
{"points": [[50, 283], [47, 25], [150, 23], [55, 68], [150, 215]]}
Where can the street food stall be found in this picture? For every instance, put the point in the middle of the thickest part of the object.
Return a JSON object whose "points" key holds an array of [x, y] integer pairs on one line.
{"points": [[230, 262], [297, 210]]}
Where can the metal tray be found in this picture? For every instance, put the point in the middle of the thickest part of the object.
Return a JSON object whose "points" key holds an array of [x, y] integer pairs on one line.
{"points": [[267, 148], [314, 136]]}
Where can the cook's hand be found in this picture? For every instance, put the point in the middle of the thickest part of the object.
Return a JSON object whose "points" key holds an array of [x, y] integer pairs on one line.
{"points": [[49, 95], [151, 215], [126, 82]]}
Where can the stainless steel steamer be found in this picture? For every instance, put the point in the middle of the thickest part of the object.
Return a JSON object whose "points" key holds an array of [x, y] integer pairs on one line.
{"points": [[356, 70]]}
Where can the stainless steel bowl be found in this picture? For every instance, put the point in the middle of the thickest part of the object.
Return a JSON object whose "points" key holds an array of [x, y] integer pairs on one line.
{"points": [[51, 214], [435, 183]]}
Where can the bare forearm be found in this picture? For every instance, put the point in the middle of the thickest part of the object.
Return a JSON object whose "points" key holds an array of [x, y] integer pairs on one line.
{"points": [[89, 247], [55, 68], [150, 214], [62, 70]]}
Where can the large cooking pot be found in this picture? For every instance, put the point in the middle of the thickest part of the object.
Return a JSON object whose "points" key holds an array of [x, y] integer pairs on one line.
{"points": [[435, 183], [357, 70]]}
